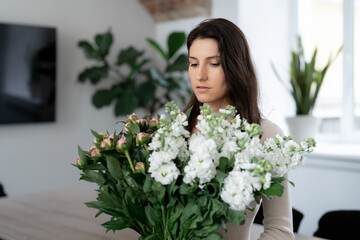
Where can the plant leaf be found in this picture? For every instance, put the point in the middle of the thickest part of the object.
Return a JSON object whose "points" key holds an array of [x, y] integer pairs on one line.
{"points": [[118, 224], [113, 166], [89, 50], [157, 47], [94, 74], [104, 41], [180, 64], [126, 103], [175, 41], [104, 97], [129, 56]]}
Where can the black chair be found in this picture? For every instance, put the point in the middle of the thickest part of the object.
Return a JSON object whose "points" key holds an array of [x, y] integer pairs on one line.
{"points": [[2, 193], [297, 217], [339, 224]]}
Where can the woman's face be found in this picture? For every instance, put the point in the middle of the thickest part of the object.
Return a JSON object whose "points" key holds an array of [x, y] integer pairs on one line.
{"points": [[206, 73]]}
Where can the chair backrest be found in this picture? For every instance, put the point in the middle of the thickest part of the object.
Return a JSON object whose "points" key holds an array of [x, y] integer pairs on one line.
{"points": [[2, 193], [339, 224], [297, 218]]}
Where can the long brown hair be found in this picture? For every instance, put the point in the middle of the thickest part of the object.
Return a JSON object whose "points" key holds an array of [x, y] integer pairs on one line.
{"points": [[239, 70]]}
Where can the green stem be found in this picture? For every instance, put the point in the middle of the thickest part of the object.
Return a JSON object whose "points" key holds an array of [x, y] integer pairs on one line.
{"points": [[147, 158], [164, 222], [147, 150], [130, 162]]}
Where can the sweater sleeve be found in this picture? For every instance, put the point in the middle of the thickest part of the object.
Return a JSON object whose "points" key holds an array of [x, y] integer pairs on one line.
{"points": [[278, 211]]}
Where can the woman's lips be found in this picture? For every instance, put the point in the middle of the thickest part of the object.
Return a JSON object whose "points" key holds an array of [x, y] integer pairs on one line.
{"points": [[202, 89]]}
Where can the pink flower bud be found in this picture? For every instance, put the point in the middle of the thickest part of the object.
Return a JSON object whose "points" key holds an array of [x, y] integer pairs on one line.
{"points": [[151, 135], [154, 124], [132, 117], [142, 138], [126, 130], [107, 144], [140, 167], [96, 153], [121, 144], [99, 140], [80, 163], [143, 124]]}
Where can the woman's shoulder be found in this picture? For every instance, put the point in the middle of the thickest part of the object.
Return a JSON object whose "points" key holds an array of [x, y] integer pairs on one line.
{"points": [[270, 130]]}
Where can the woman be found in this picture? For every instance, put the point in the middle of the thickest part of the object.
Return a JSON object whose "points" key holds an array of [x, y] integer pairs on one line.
{"points": [[222, 73]]}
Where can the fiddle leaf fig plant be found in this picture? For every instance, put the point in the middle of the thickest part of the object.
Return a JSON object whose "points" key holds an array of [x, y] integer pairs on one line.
{"points": [[305, 80], [134, 84]]}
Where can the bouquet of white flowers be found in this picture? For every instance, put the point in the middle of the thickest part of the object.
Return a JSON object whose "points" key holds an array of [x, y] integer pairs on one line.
{"points": [[182, 186]]}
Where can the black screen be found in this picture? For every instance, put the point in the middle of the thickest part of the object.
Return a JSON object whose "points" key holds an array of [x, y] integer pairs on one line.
{"points": [[27, 73]]}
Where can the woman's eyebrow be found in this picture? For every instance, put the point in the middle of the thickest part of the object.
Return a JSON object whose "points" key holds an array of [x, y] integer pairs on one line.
{"points": [[211, 57]]}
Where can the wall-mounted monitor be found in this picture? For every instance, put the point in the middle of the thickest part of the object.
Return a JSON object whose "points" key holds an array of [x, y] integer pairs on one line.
{"points": [[27, 73]]}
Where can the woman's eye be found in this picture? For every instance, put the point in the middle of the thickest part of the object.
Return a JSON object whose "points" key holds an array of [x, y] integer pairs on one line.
{"points": [[193, 64], [215, 64]]}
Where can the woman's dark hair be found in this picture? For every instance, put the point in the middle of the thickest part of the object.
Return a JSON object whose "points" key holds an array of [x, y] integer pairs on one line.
{"points": [[240, 75]]}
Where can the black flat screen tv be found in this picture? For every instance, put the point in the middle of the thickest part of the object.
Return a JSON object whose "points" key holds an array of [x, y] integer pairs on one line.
{"points": [[27, 73]]}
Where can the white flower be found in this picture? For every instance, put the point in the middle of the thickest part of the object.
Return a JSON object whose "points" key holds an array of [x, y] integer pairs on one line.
{"points": [[166, 173], [227, 112], [199, 167], [237, 190]]}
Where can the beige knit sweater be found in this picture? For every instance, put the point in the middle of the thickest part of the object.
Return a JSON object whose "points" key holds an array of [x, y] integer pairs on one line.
{"points": [[277, 212]]}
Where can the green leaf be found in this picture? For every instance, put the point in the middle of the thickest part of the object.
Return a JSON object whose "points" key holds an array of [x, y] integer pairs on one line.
{"points": [[96, 134], [104, 97], [275, 189], [96, 177], [234, 216], [89, 50], [213, 236], [93, 74], [146, 92], [113, 167], [151, 216], [175, 41], [128, 56], [118, 224], [157, 47], [126, 103], [180, 64], [147, 184], [104, 41], [137, 212], [223, 163], [133, 128]]}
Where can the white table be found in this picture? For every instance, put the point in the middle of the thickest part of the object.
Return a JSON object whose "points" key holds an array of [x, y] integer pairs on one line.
{"points": [[61, 214]]}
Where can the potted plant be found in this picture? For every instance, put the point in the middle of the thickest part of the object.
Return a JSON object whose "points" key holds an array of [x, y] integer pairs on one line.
{"points": [[305, 83], [134, 84]]}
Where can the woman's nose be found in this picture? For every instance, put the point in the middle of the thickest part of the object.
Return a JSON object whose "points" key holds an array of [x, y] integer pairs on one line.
{"points": [[201, 73]]}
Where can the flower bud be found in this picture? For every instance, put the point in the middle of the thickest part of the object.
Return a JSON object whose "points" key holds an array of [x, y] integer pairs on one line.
{"points": [[142, 138], [99, 140], [154, 124], [131, 117], [80, 163], [126, 130], [140, 167], [96, 153], [143, 124], [107, 144], [121, 144]]}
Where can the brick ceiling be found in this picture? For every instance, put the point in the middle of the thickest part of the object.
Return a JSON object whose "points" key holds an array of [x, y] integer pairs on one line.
{"points": [[168, 10]]}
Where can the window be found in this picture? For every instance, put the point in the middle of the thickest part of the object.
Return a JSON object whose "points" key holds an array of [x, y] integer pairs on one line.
{"points": [[327, 25]]}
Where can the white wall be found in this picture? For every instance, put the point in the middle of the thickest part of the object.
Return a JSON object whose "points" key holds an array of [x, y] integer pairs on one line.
{"points": [[37, 157], [270, 27], [325, 183]]}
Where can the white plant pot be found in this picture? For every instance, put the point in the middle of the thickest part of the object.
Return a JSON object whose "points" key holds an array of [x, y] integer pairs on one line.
{"points": [[302, 126]]}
